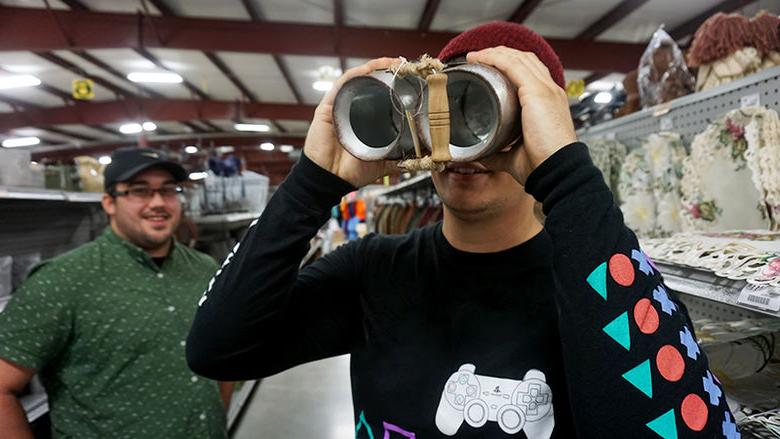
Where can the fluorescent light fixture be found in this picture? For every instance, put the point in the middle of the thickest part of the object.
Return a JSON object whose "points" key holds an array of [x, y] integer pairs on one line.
{"points": [[18, 81], [601, 85], [322, 85], [156, 77], [286, 148], [191, 149], [104, 160], [267, 146], [131, 128], [149, 126], [20, 141], [603, 97], [255, 127], [198, 175]]}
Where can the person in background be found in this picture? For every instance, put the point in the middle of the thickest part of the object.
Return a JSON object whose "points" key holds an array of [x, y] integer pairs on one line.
{"points": [[105, 324], [488, 324]]}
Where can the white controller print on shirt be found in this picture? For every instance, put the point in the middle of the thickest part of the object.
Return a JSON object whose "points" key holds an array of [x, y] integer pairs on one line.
{"points": [[515, 405]]}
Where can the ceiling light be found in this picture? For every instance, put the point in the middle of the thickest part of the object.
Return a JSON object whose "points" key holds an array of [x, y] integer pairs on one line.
{"points": [[131, 128], [322, 85], [191, 149], [325, 77], [267, 146], [20, 141], [104, 160], [603, 97], [286, 148], [156, 77], [149, 126], [601, 85], [256, 127], [18, 81], [198, 175]]}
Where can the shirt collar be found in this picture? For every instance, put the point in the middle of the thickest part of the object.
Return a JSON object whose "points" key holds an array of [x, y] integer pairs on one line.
{"points": [[135, 252]]}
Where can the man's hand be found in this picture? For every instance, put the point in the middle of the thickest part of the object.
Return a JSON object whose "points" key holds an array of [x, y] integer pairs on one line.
{"points": [[324, 149], [544, 109]]}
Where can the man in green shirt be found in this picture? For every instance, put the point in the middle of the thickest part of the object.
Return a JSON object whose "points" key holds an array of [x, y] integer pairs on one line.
{"points": [[105, 324]]}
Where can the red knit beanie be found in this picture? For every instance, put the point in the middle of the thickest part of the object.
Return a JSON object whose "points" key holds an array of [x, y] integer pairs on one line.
{"points": [[502, 33]]}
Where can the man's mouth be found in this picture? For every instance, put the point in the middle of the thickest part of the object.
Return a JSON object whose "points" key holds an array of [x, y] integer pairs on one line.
{"points": [[465, 168], [157, 217]]}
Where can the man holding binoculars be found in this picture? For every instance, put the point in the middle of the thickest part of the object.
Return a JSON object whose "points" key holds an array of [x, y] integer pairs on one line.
{"points": [[487, 324]]}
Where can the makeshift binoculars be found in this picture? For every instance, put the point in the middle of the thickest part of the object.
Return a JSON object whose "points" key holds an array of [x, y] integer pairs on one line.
{"points": [[386, 116]]}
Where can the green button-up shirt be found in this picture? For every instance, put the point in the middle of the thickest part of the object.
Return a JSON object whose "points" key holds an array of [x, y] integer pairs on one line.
{"points": [[106, 328]]}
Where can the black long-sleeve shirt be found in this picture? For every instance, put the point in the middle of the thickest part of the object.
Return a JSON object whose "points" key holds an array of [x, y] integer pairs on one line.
{"points": [[571, 331]]}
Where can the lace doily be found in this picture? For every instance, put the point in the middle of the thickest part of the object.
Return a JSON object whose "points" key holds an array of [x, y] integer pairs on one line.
{"points": [[753, 256]]}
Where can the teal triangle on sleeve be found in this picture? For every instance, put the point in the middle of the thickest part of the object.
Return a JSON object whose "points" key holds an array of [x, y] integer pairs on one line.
{"points": [[640, 378], [598, 280], [664, 425], [363, 423], [618, 330]]}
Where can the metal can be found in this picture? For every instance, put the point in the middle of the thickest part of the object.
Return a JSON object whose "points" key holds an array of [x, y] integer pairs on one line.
{"points": [[369, 114]]}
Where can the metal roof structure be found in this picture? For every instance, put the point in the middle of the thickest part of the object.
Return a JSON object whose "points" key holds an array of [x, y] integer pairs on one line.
{"points": [[255, 61]]}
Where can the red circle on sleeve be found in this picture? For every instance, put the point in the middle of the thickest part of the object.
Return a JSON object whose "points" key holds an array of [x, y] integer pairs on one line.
{"points": [[694, 412], [621, 269], [645, 316], [670, 363]]}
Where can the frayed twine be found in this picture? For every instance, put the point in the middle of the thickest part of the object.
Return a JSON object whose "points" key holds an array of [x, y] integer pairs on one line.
{"points": [[423, 68], [423, 164]]}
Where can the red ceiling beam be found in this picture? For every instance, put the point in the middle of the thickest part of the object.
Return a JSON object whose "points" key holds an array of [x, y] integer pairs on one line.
{"points": [[154, 109], [609, 19], [525, 9], [35, 30]]}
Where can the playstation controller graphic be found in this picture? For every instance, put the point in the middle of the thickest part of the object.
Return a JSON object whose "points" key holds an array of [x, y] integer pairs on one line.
{"points": [[515, 405]]}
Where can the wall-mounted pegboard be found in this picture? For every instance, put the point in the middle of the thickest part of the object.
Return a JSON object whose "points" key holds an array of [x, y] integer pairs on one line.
{"points": [[690, 115]]}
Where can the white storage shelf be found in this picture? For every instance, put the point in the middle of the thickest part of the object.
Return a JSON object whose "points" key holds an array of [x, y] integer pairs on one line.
{"points": [[35, 405], [25, 193], [707, 285]]}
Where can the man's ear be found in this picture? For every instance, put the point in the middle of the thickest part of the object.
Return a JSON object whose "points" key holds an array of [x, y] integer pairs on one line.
{"points": [[109, 204]]}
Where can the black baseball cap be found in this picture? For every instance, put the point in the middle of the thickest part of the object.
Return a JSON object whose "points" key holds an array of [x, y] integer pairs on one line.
{"points": [[128, 161]]}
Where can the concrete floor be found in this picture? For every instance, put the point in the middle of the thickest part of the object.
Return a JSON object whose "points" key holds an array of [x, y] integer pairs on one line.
{"points": [[311, 400]]}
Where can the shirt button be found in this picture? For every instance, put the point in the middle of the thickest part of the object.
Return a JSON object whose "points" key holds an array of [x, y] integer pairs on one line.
{"points": [[171, 309], [182, 342], [194, 379], [160, 275], [202, 416]]}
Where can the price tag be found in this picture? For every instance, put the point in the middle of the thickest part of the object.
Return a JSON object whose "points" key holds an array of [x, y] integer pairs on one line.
{"points": [[751, 100], [761, 296], [667, 124]]}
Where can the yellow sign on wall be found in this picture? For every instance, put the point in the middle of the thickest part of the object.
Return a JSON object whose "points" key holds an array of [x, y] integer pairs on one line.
{"points": [[575, 88], [83, 89]]}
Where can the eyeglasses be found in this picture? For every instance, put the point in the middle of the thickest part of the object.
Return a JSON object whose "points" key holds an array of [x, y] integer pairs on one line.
{"points": [[145, 193]]}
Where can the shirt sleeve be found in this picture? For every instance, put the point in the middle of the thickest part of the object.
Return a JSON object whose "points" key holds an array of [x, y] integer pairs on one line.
{"points": [[631, 357], [260, 314], [38, 321]]}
